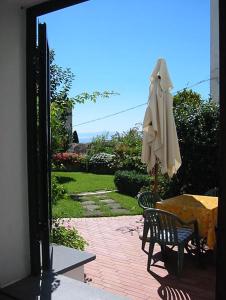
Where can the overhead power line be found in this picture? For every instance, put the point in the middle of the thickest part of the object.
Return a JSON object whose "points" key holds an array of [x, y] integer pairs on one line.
{"points": [[134, 107], [111, 115]]}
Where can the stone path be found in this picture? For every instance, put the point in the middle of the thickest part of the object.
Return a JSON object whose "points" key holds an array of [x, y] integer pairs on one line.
{"points": [[99, 203], [95, 193]]}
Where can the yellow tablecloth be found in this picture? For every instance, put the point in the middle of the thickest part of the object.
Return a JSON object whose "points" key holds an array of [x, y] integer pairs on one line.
{"points": [[201, 208]]}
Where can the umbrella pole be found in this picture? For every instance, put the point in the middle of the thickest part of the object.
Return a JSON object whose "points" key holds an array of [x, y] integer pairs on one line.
{"points": [[155, 189]]}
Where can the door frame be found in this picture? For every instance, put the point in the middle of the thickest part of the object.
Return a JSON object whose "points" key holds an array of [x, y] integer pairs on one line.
{"points": [[221, 228], [44, 160], [32, 14]]}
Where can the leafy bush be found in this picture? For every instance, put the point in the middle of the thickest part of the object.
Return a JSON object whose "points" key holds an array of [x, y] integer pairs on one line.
{"points": [[101, 144], [57, 190], [101, 163], [197, 123], [129, 162], [130, 182], [67, 236], [126, 148], [70, 161]]}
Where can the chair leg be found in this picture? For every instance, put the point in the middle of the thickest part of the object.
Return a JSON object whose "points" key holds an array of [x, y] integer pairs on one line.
{"points": [[198, 250], [150, 253], [163, 251], [145, 234], [180, 259]]}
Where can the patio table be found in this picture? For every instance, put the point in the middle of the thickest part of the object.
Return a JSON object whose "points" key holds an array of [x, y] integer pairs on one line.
{"points": [[201, 208]]}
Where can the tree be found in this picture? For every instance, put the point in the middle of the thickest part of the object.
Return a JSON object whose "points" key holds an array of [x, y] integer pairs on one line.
{"points": [[75, 137], [197, 123], [61, 102]]}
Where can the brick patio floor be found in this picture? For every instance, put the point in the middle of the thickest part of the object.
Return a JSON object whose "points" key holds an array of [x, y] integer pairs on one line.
{"points": [[120, 266]]}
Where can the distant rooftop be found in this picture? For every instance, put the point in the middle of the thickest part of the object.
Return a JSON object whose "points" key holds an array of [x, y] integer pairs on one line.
{"points": [[80, 148]]}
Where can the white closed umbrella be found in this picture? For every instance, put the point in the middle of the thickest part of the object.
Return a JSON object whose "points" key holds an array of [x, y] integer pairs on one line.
{"points": [[160, 142]]}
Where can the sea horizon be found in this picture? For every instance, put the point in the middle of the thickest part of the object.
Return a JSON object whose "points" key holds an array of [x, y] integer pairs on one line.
{"points": [[87, 137]]}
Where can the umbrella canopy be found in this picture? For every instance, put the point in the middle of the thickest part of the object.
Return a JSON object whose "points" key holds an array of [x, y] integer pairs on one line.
{"points": [[160, 142]]}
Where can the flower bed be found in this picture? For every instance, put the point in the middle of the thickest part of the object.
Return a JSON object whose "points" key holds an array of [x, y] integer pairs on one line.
{"points": [[70, 161]]}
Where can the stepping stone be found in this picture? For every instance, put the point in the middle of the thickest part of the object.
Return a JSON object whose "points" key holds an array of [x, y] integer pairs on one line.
{"points": [[120, 210], [88, 202], [96, 193], [96, 197], [96, 213], [102, 197], [90, 207], [83, 199], [113, 205], [75, 197], [79, 198], [107, 201]]}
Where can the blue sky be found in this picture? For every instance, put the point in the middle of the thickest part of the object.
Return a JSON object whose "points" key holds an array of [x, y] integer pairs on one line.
{"points": [[114, 45]]}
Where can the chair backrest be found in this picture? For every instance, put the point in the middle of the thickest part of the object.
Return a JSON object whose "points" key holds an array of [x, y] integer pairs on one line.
{"points": [[212, 192], [163, 226], [148, 199]]}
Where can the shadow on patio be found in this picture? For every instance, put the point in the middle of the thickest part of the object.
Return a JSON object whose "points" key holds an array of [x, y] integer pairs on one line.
{"points": [[121, 265], [197, 281]]}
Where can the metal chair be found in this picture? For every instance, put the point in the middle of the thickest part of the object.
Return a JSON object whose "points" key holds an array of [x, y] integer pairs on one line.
{"points": [[167, 229]]}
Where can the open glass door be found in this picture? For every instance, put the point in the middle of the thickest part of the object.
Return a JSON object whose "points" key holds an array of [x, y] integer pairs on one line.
{"points": [[44, 159]]}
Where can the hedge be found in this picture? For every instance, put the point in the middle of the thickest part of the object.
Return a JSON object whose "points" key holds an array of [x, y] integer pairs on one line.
{"points": [[130, 182]]}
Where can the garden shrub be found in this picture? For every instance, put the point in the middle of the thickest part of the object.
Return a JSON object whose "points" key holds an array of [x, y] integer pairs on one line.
{"points": [[102, 163], [67, 236], [101, 144], [197, 123], [129, 162], [130, 182], [70, 161], [126, 148], [57, 190]]}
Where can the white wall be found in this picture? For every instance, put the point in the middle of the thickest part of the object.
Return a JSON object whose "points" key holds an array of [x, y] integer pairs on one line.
{"points": [[214, 51], [14, 229]]}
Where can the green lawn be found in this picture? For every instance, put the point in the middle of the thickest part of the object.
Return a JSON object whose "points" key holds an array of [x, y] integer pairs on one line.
{"points": [[69, 208], [78, 182], [127, 202]]}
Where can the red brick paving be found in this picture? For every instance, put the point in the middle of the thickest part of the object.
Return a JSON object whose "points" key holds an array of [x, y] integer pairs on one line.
{"points": [[120, 266]]}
